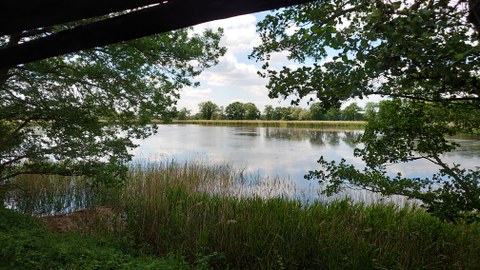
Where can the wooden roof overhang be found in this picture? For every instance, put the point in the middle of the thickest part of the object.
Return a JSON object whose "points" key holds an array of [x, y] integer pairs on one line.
{"points": [[139, 18]]}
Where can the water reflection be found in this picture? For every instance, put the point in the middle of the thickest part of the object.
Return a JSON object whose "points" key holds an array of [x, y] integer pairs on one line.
{"points": [[278, 153], [317, 137], [469, 148], [247, 131]]}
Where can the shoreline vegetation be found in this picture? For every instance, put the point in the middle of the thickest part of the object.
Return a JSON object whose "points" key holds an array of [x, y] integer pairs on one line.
{"points": [[185, 216], [313, 124], [277, 123]]}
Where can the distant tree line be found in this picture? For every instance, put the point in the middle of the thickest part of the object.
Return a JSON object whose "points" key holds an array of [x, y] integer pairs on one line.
{"points": [[249, 111]]}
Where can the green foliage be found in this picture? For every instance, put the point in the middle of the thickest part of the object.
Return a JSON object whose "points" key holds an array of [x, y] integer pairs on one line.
{"points": [[371, 109], [333, 114], [268, 113], [286, 113], [235, 111], [316, 111], [242, 111], [282, 113], [208, 109], [77, 114], [348, 125], [251, 111], [186, 209], [248, 111], [304, 114], [297, 113], [26, 244], [352, 112], [183, 114], [407, 131], [422, 51]]}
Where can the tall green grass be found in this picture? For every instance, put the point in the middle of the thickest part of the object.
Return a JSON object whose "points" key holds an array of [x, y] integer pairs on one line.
{"points": [[267, 123], [192, 209], [27, 244], [41, 195]]}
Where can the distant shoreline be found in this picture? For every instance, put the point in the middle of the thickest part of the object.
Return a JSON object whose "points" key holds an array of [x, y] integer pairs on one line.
{"points": [[277, 123]]}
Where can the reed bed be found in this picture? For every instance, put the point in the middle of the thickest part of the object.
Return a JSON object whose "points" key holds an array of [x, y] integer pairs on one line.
{"points": [[42, 195], [198, 210], [268, 123]]}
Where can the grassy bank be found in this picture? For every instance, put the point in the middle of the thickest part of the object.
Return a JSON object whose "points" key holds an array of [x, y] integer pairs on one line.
{"points": [[266, 123], [189, 209], [27, 244]]}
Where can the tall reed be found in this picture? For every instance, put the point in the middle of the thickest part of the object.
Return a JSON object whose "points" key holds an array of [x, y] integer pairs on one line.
{"points": [[257, 233], [200, 210], [41, 195]]}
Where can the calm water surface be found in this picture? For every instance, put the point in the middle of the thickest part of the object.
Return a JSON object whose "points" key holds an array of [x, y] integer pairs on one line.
{"points": [[278, 153]]}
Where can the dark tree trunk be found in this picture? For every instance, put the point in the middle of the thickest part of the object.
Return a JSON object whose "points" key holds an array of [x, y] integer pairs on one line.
{"points": [[474, 14]]}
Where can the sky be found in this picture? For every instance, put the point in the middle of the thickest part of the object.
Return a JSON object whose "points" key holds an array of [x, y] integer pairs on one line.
{"points": [[235, 77]]}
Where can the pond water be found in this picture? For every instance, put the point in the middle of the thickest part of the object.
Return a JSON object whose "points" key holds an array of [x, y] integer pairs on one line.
{"points": [[279, 153]]}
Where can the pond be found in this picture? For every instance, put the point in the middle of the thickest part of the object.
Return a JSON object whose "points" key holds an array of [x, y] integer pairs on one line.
{"points": [[280, 153]]}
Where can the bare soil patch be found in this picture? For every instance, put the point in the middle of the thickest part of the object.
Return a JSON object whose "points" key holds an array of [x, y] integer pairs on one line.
{"points": [[86, 220]]}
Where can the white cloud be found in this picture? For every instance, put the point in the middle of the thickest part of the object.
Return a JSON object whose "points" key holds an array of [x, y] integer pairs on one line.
{"points": [[280, 59], [239, 32], [292, 30], [364, 101], [197, 93], [191, 97], [230, 72], [235, 77]]}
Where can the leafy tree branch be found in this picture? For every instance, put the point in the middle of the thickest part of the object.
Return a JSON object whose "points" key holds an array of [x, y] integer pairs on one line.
{"points": [[422, 54], [77, 114]]}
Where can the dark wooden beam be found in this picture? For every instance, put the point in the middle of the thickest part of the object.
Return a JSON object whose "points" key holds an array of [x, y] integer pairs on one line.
{"points": [[21, 15], [174, 15]]}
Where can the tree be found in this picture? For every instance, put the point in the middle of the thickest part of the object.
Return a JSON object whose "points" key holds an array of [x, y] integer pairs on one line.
{"points": [[268, 112], [304, 115], [316, 111], [77, 114], [295, 113], [422, 51], [220, 115], [282, 113], [404, 131], [371, 109], [235, 111], [251, 111], [352, 112], [333, 114], [208, 110], [183, 114]]}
